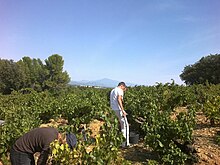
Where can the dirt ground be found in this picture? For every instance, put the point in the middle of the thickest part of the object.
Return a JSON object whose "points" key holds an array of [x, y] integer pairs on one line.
{"points": [[208, 152], [204, 141]]}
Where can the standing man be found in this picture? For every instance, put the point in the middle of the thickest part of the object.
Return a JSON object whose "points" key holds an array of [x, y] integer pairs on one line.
{"points": [[37, 140], [116, 102]]}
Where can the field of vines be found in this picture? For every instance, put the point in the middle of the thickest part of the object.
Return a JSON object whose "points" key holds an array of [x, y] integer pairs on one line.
{"points": [[163, 115]]}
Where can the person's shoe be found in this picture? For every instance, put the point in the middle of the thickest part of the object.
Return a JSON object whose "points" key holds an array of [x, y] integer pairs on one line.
{"points": [[128, 145], [125, 146]]}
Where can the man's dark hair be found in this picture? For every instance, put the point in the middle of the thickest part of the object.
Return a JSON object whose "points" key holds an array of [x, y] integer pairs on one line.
{"points": [[71, 140], [122, 83]]}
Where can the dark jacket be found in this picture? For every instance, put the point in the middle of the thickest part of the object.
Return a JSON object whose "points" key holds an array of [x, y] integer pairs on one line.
{"points": [[37, 140]]}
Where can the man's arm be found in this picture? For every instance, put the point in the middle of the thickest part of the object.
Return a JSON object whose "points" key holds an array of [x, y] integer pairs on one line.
{"points": [[120, 100], [42, 160]]}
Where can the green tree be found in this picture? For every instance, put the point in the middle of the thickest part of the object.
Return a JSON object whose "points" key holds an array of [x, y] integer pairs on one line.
{"points": [[35, 73], [11, 76], [57, 78], [207, 69]]}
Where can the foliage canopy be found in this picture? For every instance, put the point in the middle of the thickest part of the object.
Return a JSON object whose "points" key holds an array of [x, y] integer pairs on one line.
{"points": [[207, 69], [33, 73]]}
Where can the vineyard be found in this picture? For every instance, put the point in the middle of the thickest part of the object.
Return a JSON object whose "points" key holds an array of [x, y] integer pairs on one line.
{"points": [[163, 115]]}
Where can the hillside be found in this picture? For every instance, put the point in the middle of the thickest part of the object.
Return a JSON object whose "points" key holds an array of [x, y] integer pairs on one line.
{"points": [[105, 82]]}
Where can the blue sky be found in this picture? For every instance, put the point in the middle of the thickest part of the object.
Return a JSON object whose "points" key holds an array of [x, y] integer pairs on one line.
{"points": [[137, 41]]}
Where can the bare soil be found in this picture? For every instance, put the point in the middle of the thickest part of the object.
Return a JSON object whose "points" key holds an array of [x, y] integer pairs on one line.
{"points": [[204, 141], [207, 151]]}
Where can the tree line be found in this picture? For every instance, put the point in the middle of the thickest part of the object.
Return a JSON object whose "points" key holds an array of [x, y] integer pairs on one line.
{"points": [[33, 73], [49, 75], [207, 69]]}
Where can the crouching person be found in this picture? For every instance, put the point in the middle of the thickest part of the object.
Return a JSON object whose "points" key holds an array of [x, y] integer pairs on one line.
{"points": [[37, 140]]}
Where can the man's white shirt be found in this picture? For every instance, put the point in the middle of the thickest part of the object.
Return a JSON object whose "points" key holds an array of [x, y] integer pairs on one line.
{"points": [[114, 98]]}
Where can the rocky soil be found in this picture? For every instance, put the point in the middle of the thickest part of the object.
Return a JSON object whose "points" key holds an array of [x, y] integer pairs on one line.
{"points": [[208, 152], [204, 141]]}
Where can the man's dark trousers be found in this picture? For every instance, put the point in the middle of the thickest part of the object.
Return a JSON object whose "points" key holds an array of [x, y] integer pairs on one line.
{"points": [[21, 158]]}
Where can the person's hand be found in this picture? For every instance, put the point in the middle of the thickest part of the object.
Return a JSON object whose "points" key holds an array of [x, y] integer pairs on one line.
{"points": [[124, 113]]}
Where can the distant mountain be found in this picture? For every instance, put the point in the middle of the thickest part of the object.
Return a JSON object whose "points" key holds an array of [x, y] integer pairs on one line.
{"points": [[105, 82]]}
